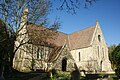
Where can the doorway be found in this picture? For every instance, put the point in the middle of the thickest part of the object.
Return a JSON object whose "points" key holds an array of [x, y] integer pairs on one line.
{"points": [[64, 64]]}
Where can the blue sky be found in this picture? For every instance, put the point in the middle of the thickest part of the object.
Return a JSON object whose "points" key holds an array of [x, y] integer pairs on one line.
{"points": [[107, 12]]}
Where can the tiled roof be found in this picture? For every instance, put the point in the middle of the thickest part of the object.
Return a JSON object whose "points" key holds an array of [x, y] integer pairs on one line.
{"points": [[81, 38], [75, 40], [39, 36]]}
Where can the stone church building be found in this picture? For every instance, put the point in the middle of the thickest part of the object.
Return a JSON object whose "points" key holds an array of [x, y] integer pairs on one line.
{"points": [[85, 49]]}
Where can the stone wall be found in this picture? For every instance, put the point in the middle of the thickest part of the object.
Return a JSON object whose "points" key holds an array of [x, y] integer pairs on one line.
{"points": [[94, 56], [69, 58], [101, 50]]}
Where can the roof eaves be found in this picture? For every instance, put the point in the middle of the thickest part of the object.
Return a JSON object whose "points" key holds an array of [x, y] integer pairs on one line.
{"points": [[82, 47]]}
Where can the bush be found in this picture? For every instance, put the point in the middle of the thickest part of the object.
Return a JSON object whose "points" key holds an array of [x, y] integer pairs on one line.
{"points": [[117, 71]]}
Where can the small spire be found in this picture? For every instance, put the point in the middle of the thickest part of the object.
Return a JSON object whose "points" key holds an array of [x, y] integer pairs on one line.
{"points": [[97, 23]]}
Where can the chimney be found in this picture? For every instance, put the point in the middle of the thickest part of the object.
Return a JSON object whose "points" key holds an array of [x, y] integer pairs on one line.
{"points": [[23, 20], [24, 15]]}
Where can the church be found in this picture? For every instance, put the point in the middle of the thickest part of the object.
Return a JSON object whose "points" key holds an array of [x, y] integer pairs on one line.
{"points": [[85, 49]]}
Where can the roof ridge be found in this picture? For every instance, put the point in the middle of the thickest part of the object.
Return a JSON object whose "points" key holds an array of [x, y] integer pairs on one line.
{"points": [[39, 26], [62, 32]]}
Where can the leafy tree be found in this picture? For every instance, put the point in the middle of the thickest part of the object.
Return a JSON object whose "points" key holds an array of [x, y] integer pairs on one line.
{"points": [[116, 59], [110, 50]]}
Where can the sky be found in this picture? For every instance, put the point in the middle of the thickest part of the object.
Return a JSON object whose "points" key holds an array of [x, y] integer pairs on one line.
{"points": [[107, 12]]}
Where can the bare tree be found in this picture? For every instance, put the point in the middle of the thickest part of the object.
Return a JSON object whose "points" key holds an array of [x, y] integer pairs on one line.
{"points": [[72, 5], [14, 18], [11, 12], [3, 48], [40, 48], [36, 42]]}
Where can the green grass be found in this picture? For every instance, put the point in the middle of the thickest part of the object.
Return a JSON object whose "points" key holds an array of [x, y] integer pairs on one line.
{"points": [[61, 76]]}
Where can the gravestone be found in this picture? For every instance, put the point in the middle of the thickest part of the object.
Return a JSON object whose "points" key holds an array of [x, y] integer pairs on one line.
{"points": [[75, 75]]}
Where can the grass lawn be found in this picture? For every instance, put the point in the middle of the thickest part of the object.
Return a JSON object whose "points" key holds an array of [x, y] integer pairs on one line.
{"points": [[41, 75]]}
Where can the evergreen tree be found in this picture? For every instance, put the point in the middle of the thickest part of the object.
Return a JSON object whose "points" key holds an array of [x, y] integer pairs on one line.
{"points": [[116, 59]]}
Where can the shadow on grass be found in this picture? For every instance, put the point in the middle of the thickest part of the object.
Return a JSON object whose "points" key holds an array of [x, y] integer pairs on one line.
{"points": [[100, 77], [16, 75]]}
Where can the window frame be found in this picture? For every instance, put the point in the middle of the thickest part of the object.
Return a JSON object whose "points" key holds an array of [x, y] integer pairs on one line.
{"points": [[99, 38]]}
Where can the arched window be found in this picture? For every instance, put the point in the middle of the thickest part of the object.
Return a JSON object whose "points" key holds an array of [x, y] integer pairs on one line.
{"points": [[99, 38]]}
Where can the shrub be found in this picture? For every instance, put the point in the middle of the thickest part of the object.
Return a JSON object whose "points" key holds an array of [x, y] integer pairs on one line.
{"points": [[117, 71]]}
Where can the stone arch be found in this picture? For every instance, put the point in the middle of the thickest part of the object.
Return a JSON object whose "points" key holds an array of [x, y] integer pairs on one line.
{"points": [[64, 64]]}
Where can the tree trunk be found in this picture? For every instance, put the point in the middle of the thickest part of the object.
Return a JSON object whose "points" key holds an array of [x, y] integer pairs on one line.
{"points": [[12, 53]]}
